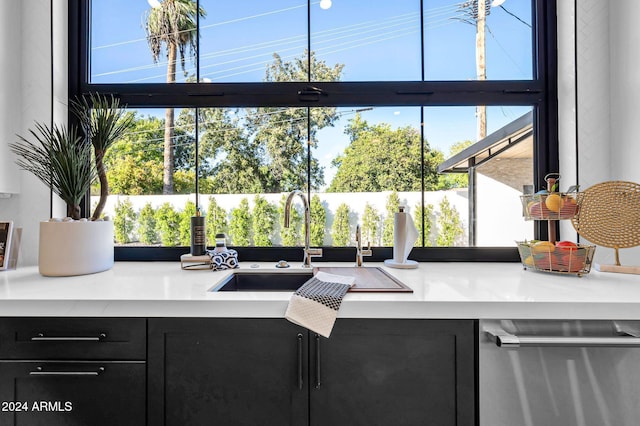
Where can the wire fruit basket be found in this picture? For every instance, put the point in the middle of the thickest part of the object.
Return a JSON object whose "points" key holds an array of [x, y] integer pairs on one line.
{"points": [[551, 205], [549, 256], [545, 256]]}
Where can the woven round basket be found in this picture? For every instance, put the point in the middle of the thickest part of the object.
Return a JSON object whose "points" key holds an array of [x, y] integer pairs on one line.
{"points": [[609, 215]]}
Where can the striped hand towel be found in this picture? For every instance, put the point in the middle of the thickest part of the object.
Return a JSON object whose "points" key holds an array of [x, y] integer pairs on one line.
{"points": [[315, 305]]}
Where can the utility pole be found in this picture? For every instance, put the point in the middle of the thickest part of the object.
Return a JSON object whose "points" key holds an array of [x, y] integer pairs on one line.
{"points": [[481, 66]]}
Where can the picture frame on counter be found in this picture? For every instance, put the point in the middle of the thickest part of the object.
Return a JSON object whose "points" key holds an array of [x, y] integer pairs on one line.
{"points": [[6, 231]]}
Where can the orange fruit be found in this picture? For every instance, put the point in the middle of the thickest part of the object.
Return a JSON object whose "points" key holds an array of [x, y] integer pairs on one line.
{"points": [[554, 202]]}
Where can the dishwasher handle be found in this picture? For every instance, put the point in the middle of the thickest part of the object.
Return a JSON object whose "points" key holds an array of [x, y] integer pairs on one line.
{"points": [[504, 339]]}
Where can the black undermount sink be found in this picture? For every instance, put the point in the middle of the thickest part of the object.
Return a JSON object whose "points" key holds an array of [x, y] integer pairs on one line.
{"points": [[263, 281]]}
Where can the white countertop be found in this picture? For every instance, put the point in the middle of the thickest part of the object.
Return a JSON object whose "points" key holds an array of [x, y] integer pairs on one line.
{"points": [[440, 290]]}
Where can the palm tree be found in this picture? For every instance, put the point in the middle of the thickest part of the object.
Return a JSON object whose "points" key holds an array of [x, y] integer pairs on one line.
{"points": [[172, 23]]}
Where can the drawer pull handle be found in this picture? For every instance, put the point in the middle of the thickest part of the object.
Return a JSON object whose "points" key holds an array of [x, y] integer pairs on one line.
{"points": [[42, 338], [41, 372], [300, 361], [504, 339], [318, 382]]}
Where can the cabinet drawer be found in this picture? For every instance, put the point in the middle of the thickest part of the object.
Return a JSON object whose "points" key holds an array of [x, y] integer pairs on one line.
{"points": [[72, 393], [73, 338]]}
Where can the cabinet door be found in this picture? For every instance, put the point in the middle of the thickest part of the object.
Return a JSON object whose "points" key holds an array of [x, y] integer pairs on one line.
{"points": [[227, 372], [394, 372], [37, 393]]}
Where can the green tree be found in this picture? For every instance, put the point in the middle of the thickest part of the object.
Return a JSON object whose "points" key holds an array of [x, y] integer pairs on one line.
{"points": [[449, 225], [147, 225], [173, 25], [340, 230], [370, 225], [392, 207], [168, 225], [263, 219], [134, 162], [124, 221], [240, 224], [231, 161], [216, 220], [454, 180], [282, 133], [185, 223], [132, 178], [291, 236], [380, 158], [419, 212], [318, 221]]}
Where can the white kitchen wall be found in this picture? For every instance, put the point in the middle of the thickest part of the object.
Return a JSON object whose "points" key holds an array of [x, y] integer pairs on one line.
{"points": [[625, 110], [10, 102], [608, 85], [30, 85]]}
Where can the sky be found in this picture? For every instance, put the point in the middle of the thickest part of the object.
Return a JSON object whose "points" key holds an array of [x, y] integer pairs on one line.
{"points": [[238, 39]]}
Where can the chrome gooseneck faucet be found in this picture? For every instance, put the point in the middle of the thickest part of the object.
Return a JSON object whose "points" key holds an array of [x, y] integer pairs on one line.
{"points": [[308, 252], [361, 252]]}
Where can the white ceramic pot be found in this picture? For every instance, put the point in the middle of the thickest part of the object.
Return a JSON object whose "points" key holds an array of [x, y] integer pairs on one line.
{"points": [[75, 248]]}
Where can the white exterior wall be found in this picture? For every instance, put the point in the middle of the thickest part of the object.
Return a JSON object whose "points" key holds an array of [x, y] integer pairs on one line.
{"points": [[499, 212]]}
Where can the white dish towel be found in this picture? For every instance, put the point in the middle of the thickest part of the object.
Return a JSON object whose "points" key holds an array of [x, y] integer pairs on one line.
{"points": [[315, 305]]}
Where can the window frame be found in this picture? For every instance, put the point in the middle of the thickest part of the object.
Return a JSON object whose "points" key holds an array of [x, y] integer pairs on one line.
{"points": [[540, 93]]}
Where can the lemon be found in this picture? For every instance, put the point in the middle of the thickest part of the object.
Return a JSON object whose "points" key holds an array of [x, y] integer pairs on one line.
{"points": [[542, 247], [529, 261], [554, 202]]}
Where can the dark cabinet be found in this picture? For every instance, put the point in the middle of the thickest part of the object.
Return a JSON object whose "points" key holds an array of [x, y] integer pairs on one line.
{"points": [[227, 372], [71, 393], [271, 372], [72, 371], [394, 372]]}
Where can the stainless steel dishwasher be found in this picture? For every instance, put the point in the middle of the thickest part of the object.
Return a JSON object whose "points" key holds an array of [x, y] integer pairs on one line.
{"points": [[559, 373]]}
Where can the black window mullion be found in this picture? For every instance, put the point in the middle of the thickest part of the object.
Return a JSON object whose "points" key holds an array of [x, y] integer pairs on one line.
{"points": [[540, 93]]}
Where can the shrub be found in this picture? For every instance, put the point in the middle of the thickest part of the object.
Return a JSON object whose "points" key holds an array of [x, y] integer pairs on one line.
{"points": [[168, 225], [393, 206], [263, 221], [340, 231], [427, 211], [370, 225], [449, 225], [124, 221], [185, 223], [318, 222], [216, 220], [147, 225], [240, 223]]}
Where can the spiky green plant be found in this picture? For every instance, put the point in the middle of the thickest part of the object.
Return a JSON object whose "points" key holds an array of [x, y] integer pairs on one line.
{"points": [[104, 122], [61, 158]]}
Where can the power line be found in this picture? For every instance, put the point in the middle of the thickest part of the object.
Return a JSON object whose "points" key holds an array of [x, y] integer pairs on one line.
{"points": [[358, 43], [518, 18]]}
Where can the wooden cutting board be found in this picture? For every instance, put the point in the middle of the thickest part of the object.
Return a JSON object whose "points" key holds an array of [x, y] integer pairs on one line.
{"points": [[367, 279]]}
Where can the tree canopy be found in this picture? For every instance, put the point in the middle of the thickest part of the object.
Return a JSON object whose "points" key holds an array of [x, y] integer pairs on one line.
{"points": [[380, 158]]}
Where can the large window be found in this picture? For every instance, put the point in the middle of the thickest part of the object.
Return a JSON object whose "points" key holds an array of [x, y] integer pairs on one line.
{"points": [[445, 107]]}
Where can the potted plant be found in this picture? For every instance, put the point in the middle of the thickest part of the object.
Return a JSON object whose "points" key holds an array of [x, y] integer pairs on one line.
{"points": [[61, 157]]}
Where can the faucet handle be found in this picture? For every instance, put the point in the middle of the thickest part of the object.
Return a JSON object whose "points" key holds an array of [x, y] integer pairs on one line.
{"points": [[314, 252]]}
